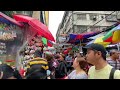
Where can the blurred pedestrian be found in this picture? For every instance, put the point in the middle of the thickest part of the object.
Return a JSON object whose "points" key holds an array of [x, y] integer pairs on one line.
{"points": [[113, 60], [37, 69], [61, 70]]}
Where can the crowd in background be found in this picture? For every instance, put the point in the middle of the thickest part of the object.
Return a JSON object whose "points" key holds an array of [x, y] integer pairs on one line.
{"points": [[92, 65]]}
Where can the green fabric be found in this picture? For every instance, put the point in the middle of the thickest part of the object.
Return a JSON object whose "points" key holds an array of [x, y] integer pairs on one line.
{"points": [[44, 40], [75, 49], [108, 35]]}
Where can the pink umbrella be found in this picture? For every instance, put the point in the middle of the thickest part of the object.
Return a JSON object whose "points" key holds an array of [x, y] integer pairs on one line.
{"points": [[36, 24]]}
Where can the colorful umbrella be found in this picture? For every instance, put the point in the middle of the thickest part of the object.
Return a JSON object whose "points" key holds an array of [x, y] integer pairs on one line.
{"points": [[113, 35], [4, 18], [37, 25], [99, 40]]}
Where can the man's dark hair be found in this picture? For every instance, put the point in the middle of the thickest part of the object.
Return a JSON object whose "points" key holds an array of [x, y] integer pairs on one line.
{"points": [[112, 51]]}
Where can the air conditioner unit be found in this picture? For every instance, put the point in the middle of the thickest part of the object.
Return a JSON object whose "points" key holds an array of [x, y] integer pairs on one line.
{"points": [[102, 17], [94, 18], [118, 17]]}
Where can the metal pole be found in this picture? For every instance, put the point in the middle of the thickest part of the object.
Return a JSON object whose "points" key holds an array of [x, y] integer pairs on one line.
{"points": [[72, 22], [118, 47]]}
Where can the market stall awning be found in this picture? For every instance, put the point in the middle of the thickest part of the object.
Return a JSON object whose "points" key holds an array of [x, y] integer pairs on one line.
{"points": [[99, 40], [36, 24], [75, 37], [89, 34], [5, 19], [113, 35]]}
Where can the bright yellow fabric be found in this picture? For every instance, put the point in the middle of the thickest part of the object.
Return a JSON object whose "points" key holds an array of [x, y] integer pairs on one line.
{"points": [[99, 40], [102, 73], [116, 36]]}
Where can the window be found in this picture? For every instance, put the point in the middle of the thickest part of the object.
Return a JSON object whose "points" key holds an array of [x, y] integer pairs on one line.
{"points": [[94, 28], [75, 28], [111, 18], [93, 17], [82, 29], [81, 16]]}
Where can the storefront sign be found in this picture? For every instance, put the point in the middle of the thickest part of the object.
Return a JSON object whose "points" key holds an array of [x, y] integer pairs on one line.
{"points": [[5, 36]]}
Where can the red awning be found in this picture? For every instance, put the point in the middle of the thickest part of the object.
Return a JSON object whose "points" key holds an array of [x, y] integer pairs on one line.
{"points": [[9, 60], [39, 26], [10, 19]]}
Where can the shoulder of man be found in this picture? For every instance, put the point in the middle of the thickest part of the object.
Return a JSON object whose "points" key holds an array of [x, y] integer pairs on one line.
{"points": [[117, 74], [92, 68]]}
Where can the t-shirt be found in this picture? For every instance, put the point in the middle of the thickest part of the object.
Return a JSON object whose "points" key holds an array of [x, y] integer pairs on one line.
{"points": [[115, 64], [73, 75], [102, 73]]}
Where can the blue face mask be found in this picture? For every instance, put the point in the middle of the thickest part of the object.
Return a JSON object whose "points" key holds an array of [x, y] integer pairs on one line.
{"points": [[48, 72]]}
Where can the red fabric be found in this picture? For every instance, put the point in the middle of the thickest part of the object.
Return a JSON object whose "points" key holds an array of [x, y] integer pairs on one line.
{"points": [[79, 36], [40, 27], [9, 60], [69, 49], [108, 40], [66, 52], [10, 19], [22, 71], [49, 44]]}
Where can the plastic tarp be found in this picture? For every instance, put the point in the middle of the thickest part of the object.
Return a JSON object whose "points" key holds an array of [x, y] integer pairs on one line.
{"points": [[5, 19], [39, 26], [73, 38]]}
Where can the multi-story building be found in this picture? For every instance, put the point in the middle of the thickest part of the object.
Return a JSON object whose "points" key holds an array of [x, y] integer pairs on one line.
{"points": [[84, 21], [43, 16]]}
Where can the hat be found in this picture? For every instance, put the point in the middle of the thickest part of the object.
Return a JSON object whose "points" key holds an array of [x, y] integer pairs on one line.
{"points": [[98, 47]]}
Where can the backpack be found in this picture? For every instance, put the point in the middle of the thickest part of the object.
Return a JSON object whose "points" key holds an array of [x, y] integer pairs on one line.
{"points": [[58, 71], [111, 76]]}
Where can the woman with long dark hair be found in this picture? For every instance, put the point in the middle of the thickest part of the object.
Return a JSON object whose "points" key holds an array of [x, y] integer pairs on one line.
{"points": [[61, 70]]}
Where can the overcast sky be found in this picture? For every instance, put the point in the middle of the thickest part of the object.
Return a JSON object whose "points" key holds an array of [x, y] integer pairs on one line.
{"points": [[55, 18]]}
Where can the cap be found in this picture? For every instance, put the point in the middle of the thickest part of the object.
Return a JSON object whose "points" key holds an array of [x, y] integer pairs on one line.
{"points": [[97, 47]]}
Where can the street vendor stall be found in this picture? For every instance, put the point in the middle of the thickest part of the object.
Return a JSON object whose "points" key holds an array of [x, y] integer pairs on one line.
{"points": [[39, 36], [11, 38]]}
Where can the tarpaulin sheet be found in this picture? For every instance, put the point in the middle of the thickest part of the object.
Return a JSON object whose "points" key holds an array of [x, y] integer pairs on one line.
{"points": [[5, 19]]}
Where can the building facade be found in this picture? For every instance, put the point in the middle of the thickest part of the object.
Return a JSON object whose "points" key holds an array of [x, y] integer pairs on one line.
{"points": [[84, 21]]}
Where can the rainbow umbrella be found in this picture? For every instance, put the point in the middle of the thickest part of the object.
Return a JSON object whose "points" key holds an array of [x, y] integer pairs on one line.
{"points": [[113, 35], [99, 40]]}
